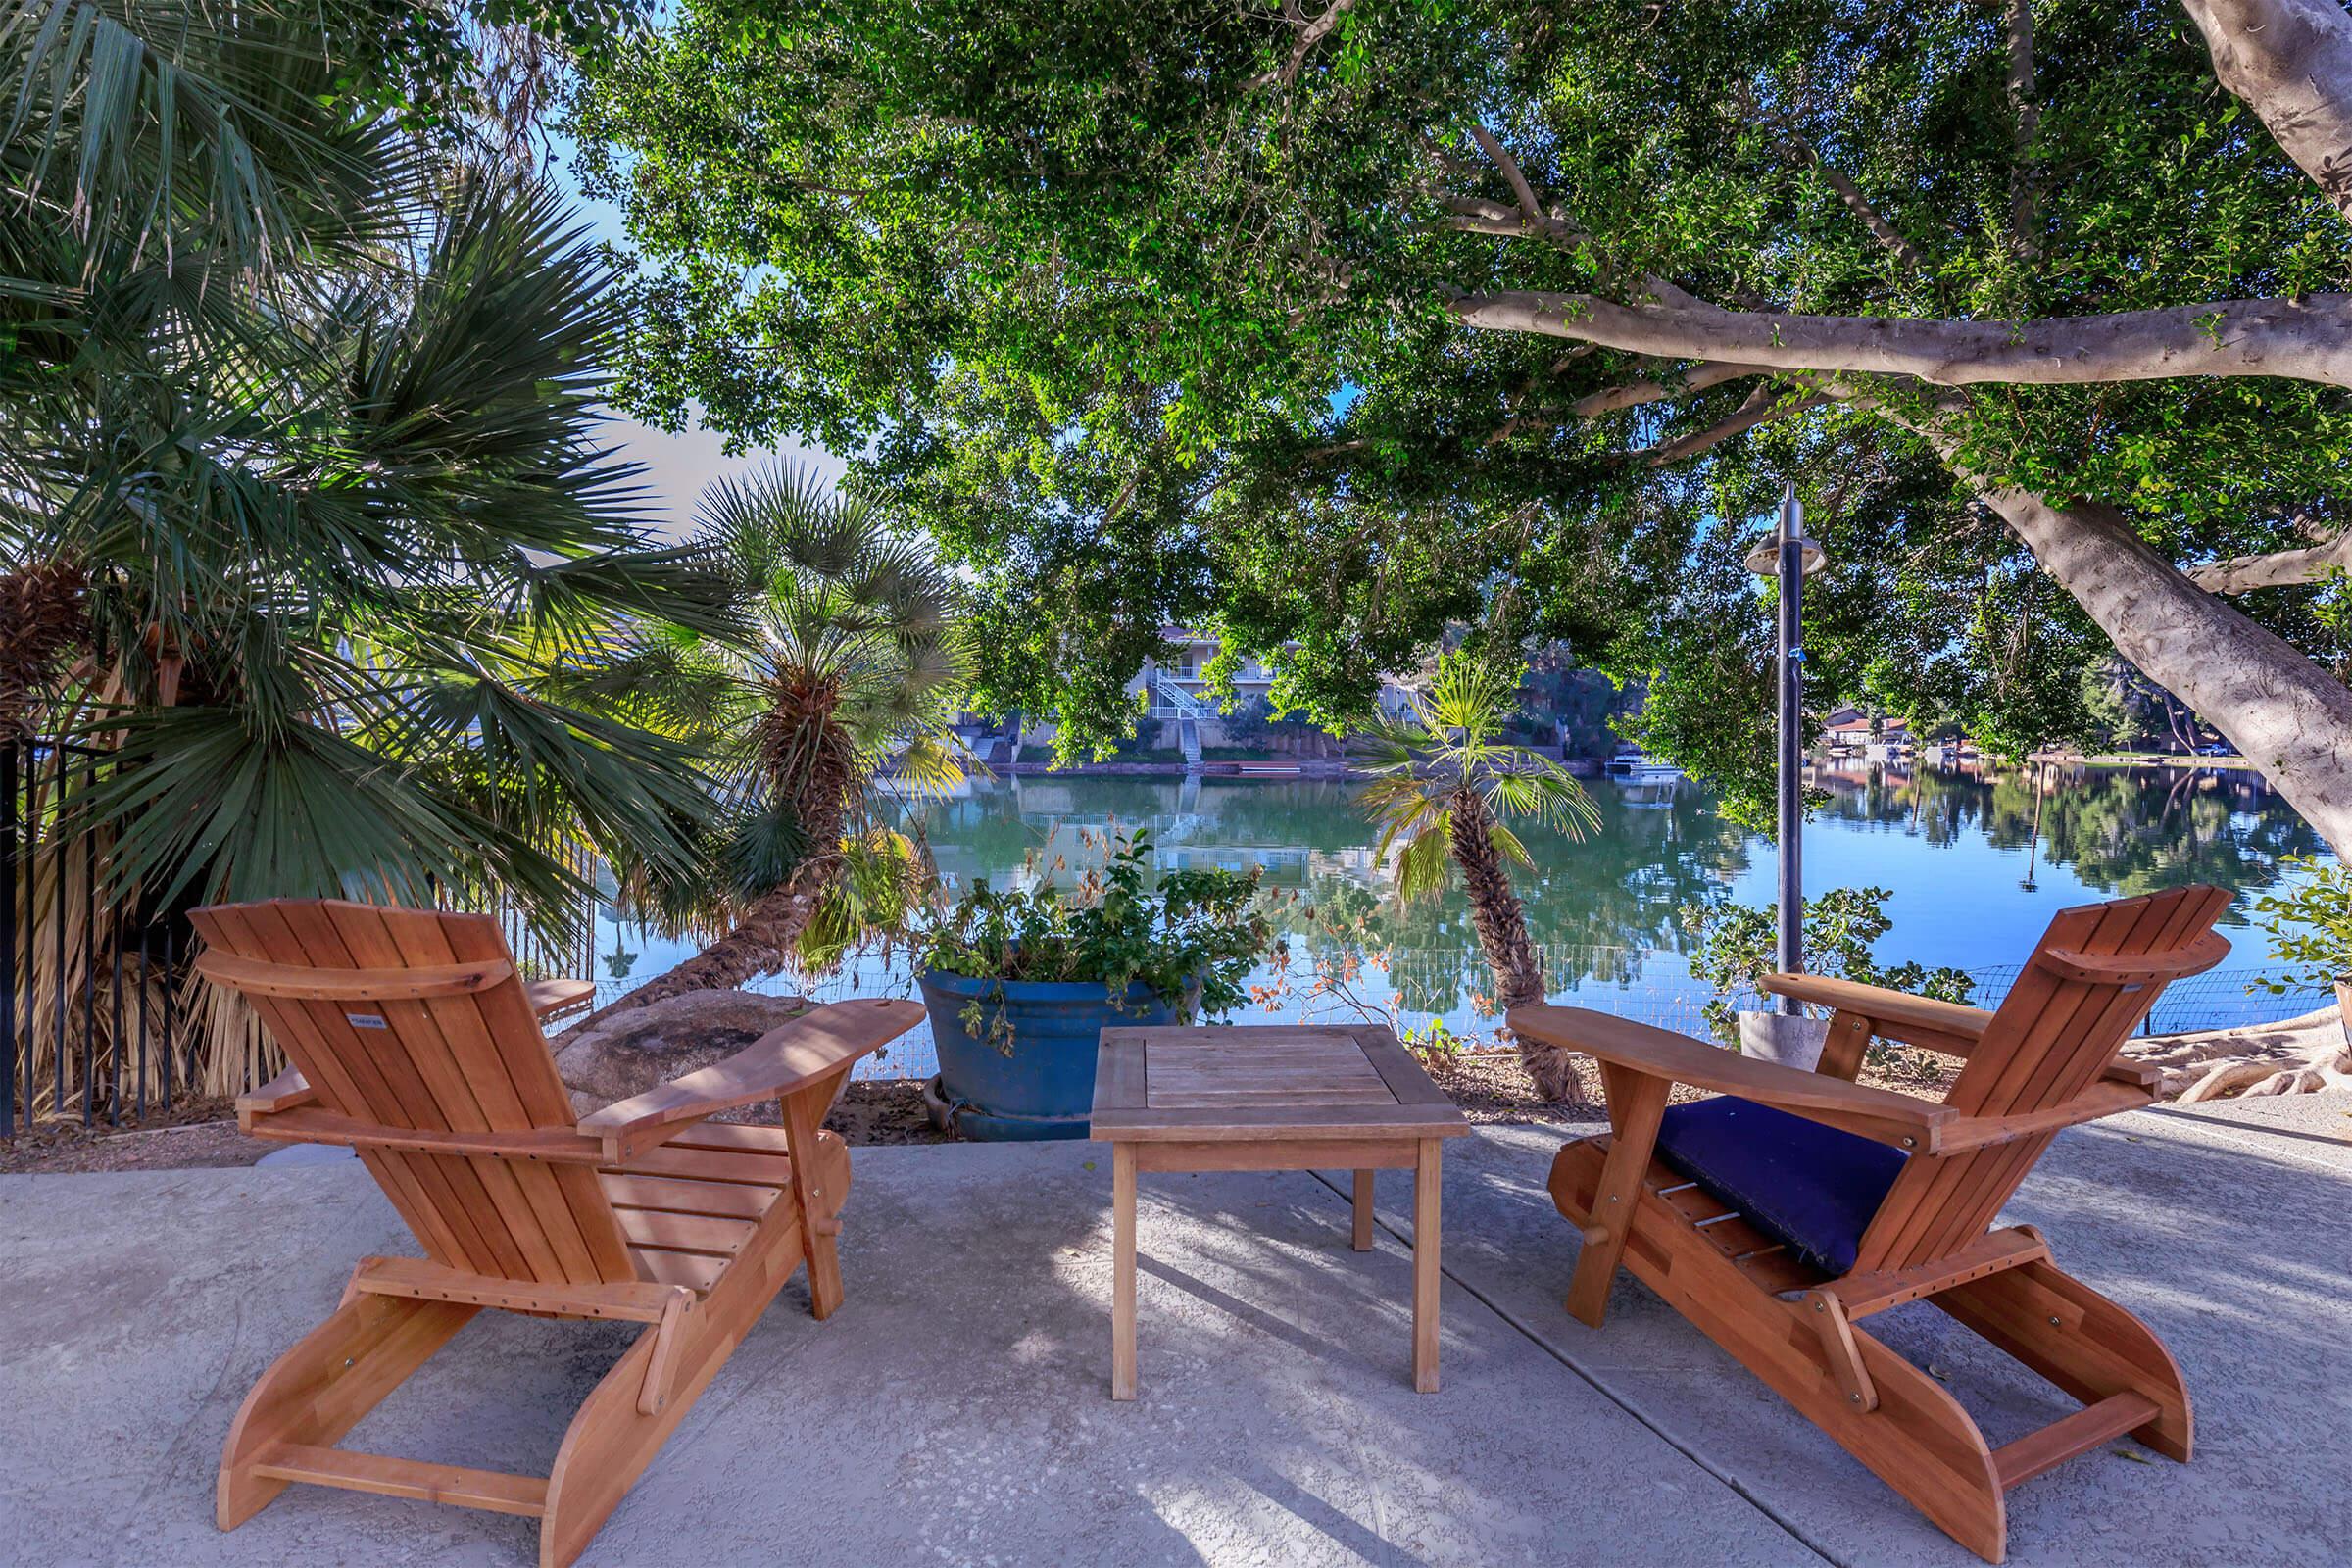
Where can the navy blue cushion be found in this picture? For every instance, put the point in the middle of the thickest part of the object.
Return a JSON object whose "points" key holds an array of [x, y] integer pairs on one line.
{"points": [[1812, 1187]]}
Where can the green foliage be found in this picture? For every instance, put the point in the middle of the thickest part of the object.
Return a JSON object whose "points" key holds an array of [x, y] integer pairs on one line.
{"points": [[2319, 954], [1190, 940], [881, 890], [1435, 1042], [300, 419], [1736, 945], [1148, 328], [856, 656]]}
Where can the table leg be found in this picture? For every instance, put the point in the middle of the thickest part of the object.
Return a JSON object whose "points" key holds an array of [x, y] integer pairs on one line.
{"points": [[1122, 1272], [1426, 1188], [1364, 1211]]}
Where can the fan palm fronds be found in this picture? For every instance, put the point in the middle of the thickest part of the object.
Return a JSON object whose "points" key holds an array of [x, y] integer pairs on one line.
{"points": [[1443, 788]]}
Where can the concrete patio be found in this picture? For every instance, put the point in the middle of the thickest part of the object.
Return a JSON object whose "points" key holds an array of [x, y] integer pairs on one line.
{"points": [[957, 1409]]}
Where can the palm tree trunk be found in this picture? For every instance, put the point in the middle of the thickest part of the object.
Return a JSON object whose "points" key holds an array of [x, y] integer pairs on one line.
{"points": [[42, 619], [1501, 921], [761, 940]]}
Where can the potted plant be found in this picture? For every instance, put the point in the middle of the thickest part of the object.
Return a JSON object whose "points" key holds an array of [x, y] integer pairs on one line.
{"points": [[1020, 983], [1735, 952]]}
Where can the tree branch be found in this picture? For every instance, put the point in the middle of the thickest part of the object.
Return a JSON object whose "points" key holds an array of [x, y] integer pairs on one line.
{"points": [[2025, 206], [2280, 568], [1697, 379], [1763, 406], [2292, 62], [2309, 339], [1512, 405], [1531, 217], [1476, 214], [1491, 145], [1801, 151], [1311, 33]]}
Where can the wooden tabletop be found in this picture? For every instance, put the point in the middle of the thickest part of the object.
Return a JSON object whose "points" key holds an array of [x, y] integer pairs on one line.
{"points": [[1245, 1083]]}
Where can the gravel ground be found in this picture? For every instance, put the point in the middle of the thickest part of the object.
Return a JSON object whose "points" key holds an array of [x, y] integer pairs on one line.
{"points": [[204, 1133], [1488, 1082], [1491, 1086]]}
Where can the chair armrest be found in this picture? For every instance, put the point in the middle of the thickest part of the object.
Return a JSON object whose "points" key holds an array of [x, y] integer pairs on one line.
{"points": [[2103, 1096], [551, 997], [794, 1056], [1878, 1114], [1946, 1027], [284, 1092]]}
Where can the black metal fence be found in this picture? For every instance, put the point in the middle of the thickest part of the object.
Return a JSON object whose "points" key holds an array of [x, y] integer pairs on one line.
{"points": [[101, 1023], [92, 1018]]}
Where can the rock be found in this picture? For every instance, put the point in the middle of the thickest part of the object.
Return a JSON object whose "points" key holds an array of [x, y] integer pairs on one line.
{"points": [[632, 1052]]}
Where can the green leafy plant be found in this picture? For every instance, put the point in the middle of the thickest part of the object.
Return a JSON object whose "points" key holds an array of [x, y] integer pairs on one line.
{"points": [[2318, 954], [1194, 936], [1435, 1042], [1736, 945]]}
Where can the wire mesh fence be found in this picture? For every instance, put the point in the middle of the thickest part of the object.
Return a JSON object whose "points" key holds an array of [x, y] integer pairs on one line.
{"points": [[1415, 989]]}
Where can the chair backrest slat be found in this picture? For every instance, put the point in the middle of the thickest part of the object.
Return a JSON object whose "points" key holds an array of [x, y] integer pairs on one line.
{"points": [[2053, 1035], [452, 1059]]}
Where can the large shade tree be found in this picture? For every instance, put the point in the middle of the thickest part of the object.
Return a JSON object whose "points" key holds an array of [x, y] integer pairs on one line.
{"points": [[1330, 324]]}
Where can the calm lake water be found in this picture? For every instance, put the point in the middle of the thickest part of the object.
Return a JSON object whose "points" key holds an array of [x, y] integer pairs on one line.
{"points": [[1976, 866]]}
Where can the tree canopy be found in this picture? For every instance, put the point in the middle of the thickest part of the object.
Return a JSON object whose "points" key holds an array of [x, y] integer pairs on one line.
{"points": [[1330, 330]]}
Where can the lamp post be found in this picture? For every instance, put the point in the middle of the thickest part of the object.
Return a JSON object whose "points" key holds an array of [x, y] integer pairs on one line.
{"points": [[1788, 558]]}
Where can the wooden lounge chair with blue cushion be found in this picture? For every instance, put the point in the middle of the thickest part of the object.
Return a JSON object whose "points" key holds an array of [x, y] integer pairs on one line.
{"points": [[1782, 1214], [415, 1042]]}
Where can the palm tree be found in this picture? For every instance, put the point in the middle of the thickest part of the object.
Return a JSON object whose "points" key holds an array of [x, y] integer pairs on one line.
{"points": [[1444, 789], [302, 517], [856, 660]]}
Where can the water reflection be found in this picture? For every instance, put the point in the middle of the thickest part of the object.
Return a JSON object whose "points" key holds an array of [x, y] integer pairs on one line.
{"points": [[1977, 861]]}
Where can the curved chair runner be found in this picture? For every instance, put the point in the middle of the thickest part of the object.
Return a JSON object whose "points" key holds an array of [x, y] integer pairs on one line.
{"points": [[1779, 1217], [415, 1042]]}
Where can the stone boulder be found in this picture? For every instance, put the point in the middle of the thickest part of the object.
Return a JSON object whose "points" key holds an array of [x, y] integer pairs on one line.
{"points": [[632, 1052]]}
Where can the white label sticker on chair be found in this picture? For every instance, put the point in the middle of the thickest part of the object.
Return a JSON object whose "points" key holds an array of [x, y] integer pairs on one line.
{"points": [[366, 1021]]}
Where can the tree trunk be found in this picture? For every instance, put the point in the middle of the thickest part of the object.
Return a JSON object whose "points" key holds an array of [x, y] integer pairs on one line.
{"points": [[760, 943], [2286, 716], [42, 619], [1501, 921]]}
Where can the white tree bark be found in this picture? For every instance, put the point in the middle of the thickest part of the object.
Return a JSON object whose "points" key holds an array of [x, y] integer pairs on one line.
{"points": [[2280, 568], [2308, 339], [2292, 62]]}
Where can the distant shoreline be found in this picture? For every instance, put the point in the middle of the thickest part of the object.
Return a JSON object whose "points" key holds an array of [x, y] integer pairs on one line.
{"points": [[2143, 759]]}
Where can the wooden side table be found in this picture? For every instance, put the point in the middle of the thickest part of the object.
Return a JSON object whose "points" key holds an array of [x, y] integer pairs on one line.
{"points": [[1255, 1098]]}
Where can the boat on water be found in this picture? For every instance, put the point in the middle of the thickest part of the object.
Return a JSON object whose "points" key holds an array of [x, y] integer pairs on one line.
{"points": [[1636, 766]]}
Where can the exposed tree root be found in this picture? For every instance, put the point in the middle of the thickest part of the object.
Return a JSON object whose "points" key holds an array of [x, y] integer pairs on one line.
{"points": [[2296, 1056]]}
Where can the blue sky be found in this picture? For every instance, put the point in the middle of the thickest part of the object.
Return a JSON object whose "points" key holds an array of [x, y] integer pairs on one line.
{"points": [[677, 467]]}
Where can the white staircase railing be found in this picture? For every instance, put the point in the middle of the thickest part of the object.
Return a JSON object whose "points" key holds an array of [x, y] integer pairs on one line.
{"points": [[1171, 694]]}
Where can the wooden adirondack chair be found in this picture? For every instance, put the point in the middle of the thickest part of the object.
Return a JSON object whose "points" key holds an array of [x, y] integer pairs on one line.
{"points": [[1779, 1217], [414, 1041]]}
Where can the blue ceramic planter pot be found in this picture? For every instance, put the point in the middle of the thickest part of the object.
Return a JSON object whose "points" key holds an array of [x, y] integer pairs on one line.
{"points": [[1045, 1089]]}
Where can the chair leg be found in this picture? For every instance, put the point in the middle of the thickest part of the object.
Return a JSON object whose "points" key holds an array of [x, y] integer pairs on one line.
{"points": [[1635, 1104], [613, 1437], [2082, 1342], [317, 1391], [820, 1179]]}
